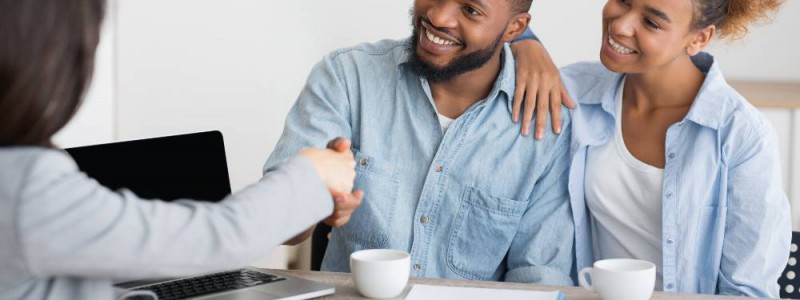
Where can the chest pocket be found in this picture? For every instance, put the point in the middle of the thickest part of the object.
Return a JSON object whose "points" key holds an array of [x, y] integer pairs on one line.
{"points": [[482, 234], [370, 226]]}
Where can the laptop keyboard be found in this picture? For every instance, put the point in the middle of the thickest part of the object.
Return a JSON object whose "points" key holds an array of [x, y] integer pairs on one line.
{"points": [[210, 284]]}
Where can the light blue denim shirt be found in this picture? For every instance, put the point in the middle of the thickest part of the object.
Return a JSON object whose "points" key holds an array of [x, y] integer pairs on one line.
{"points": [[480, 202], [726, 222]]}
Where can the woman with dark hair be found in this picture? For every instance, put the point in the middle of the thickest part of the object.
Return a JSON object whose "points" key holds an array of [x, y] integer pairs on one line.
{"points": [[670, 164], [64, 236]]}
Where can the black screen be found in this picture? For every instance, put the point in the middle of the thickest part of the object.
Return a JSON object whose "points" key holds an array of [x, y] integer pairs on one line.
{"points": [[190, 166]]}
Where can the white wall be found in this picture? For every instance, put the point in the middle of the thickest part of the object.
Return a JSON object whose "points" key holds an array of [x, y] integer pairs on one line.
{"points": [[237, 65]]}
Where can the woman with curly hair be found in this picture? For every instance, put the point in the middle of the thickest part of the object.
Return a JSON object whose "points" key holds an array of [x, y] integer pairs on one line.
{"points": [[670, 164]]}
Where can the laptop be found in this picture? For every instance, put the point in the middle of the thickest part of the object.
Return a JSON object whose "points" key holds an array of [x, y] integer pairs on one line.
{"points": [[185, 166]]}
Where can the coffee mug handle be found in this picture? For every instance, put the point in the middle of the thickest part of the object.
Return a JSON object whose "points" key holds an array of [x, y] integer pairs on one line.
{"points": [[582, 278]]}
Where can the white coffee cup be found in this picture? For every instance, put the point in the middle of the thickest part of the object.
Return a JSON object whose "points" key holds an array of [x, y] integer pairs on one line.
{"points": [[620, 279], [380, 273]]}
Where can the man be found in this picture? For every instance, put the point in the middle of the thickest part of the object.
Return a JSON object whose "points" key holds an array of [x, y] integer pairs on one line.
{"points": [[446, 175]]}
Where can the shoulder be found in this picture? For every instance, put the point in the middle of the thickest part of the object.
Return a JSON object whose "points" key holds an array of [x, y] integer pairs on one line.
{"points": [[30, 161], [741, 122], [359, 63], [587, 82], [28, 167], [384, 51]]}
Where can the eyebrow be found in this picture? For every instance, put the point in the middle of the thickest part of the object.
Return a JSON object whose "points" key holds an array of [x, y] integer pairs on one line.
{"points": [[658, 13], [479, 3]]}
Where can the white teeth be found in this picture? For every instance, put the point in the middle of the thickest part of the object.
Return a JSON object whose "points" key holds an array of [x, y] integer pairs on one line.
{"points": [[437, 40], [619, 48]]}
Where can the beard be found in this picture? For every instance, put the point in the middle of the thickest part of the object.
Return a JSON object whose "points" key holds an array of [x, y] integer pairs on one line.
{"points": [[460, 65]]}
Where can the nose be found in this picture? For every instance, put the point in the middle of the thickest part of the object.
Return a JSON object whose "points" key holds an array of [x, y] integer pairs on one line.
{"points": [[442, 14], [622, 25]]}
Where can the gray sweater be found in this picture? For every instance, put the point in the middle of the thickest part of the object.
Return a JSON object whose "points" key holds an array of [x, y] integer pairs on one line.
{"points": [[64, 236]]}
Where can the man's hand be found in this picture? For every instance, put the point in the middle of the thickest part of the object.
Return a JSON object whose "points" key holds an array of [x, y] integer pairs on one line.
{"points": [[343, 207], [539, 85], [344, 204]]}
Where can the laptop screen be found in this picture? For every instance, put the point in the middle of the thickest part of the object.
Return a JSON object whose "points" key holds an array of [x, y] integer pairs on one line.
{"points": [[189, 166]]}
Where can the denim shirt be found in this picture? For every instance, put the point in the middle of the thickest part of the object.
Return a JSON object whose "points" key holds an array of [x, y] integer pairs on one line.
{"points": [[480, 202], [726, 222]]}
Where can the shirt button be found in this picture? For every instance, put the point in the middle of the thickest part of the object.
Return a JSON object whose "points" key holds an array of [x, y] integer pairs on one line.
{"points": [[424, 219], [669, 286], [670, 241], [669, 195], [363, 161], [439, 169], [417, 267], [672, 155]]}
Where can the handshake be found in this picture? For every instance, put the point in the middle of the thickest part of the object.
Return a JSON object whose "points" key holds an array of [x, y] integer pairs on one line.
{"points": [[336, 167]]}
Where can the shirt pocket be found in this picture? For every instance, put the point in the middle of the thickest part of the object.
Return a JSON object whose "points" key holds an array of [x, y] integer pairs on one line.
{"points": [[482, 234], [370, 225]]}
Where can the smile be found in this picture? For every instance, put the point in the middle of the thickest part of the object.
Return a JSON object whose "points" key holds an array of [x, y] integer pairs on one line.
{"points": [[436, 38], [619, 48]]}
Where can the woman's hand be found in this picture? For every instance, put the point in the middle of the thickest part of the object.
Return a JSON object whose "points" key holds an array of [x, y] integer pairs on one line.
{"points": [[335, 168], [539, 85]]}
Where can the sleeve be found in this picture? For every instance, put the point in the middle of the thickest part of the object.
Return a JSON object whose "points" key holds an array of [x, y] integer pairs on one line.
{"points": [[758, 226], [541, 252], [320, 114], [70, 225], [527, 35]]}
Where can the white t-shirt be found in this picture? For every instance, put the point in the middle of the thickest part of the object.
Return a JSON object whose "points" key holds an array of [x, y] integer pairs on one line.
{"points": [[623, 195], [444, 122]]}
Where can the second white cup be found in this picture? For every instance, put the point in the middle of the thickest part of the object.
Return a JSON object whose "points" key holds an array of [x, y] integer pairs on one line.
{"points": [[620, 279], [380, 273]]}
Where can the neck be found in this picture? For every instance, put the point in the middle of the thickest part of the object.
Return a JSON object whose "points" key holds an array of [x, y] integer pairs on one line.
{"points": [[455, 96], [674, 84]]}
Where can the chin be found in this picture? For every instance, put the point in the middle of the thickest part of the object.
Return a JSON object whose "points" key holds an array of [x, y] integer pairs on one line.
{"points": [[609, 64]]}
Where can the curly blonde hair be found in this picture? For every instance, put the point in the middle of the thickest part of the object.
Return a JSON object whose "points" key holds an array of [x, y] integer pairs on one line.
{"points": [[733, 17]]}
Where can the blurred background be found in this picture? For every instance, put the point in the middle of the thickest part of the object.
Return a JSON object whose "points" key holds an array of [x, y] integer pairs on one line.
{"points": [[176, 66]]}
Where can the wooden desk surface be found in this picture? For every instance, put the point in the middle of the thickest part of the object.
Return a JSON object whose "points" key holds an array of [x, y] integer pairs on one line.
{"points": [[769, 94], [346, 290]]}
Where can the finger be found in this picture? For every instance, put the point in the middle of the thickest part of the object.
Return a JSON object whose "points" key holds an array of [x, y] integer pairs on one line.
{"points": [[350, 204], [359, 196], [530, 107], [567, 99], [519, 93], [340, 222], [555, 110], [334, 142], [542, 104], [343, 145]]}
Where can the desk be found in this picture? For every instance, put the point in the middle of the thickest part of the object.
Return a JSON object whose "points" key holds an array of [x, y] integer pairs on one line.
{"points": [[346, 290]]}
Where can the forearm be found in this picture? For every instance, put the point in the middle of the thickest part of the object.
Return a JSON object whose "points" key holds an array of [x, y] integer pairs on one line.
{"points": [[138, 238]]}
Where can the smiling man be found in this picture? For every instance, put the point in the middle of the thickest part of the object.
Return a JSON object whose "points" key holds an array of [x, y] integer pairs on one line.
{"points": [[446, 175]]}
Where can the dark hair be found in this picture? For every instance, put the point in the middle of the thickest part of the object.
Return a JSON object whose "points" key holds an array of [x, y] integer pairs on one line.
{"points": [[521, 6], [732, 17], [47, 50]]}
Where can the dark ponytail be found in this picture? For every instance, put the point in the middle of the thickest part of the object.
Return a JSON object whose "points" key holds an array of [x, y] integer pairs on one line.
{"points": [[47, 50]]}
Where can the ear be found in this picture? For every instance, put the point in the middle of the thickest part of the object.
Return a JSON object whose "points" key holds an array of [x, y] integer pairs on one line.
{"points": [[700, 40], [516, 26]]}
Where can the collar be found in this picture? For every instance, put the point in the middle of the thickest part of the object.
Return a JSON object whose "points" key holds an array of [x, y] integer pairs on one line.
{"points": [[709, 107], [712, 103]]}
